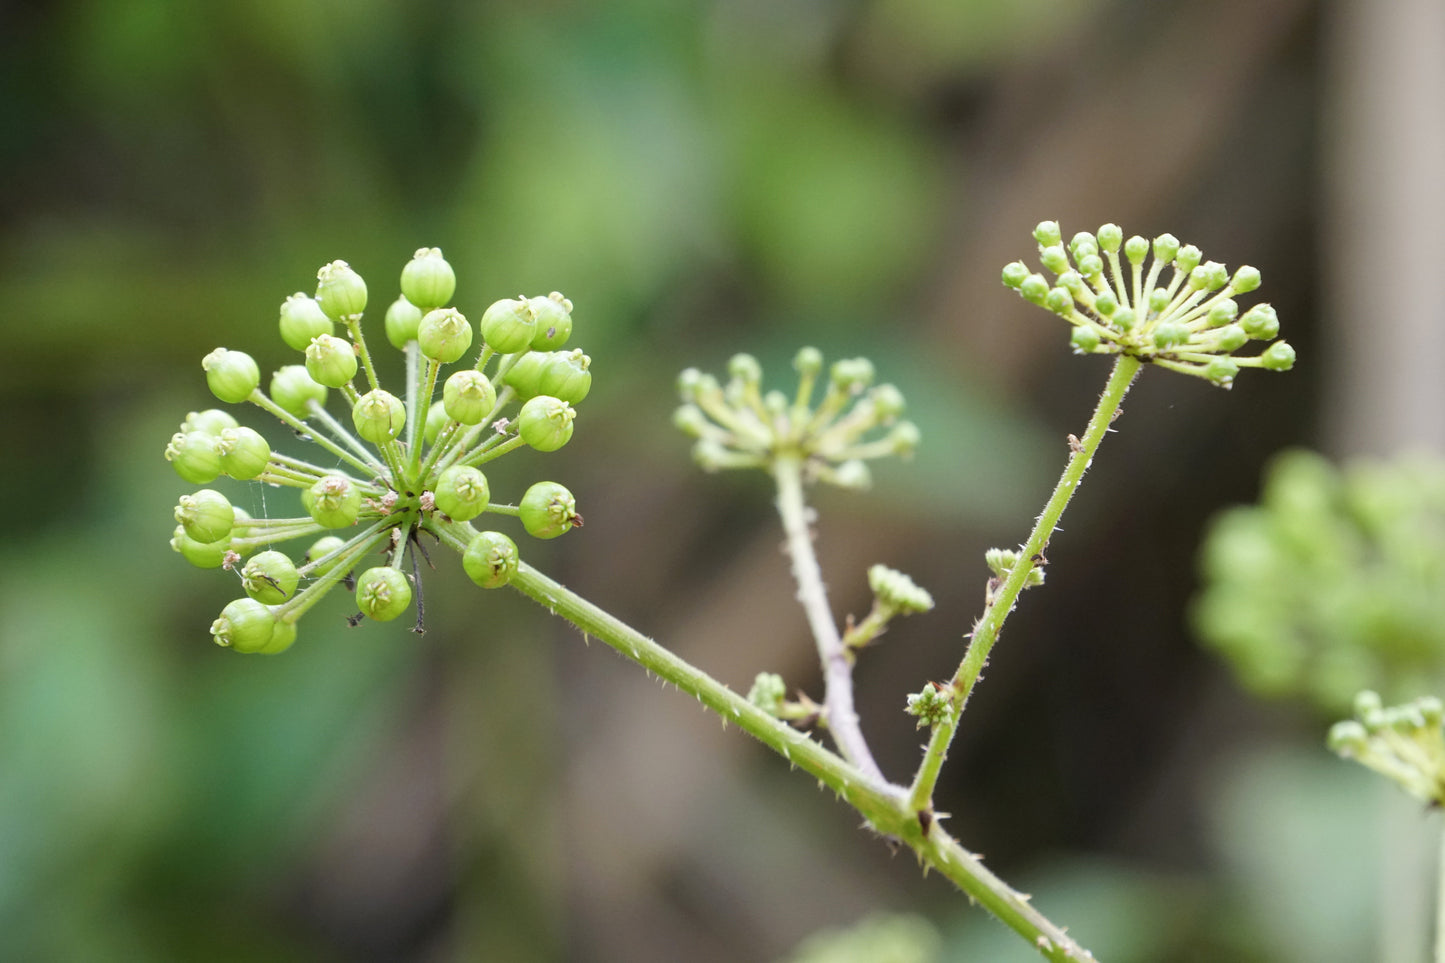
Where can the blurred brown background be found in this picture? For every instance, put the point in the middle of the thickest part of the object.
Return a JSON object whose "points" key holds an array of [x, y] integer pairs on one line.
{"points": [[699, 178]]}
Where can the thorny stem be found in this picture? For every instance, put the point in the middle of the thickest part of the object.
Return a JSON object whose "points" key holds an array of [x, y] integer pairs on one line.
{"points": [[986, 631], [842, 717]]}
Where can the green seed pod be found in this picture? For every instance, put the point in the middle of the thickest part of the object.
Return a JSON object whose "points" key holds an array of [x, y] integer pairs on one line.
{"points": [[330, 361], [301, 320], [200, 554], [1222, 371], [491, 559], [1260, 322], [1084, 339], [1034, 289], [1188, 258], [548, 510], [1170, 334], [206, 516], [282, 638], [888, 402], [1223, 312], [1246, 279], [525, 375], [1111, 236], [1136, 249], [292, 387], [321, 548], [509, 325], [1229, 338], [554, 321], [444, 335], [340, 291], [212, 422], [436, 420], [809, 360], [244, 452], [1278, 356], [402, 320], [462, 493], [1059, 301], [1091, 265], [231, 375], [1047, 233], [382, 593], [905, 437], [378, 416], [545, 423], [269, 577], [566, 375], [1105, 304], [194, 456], [1014, 274], [468, 397], [333, 502], [428, 281], [1124, 319], [245, 625], [1054, 258], [852, 375]]}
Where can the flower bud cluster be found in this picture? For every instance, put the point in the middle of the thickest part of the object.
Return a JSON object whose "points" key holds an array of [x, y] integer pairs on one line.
{"points": [[739, 425], [1404, 743], [1189, 322], [399, 466]]}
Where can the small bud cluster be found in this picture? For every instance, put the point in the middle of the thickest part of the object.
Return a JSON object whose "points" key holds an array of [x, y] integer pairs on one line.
{"points": [[403, 466], [894, 594], [1189, 323], [770, 694], [1402, 742], [738, 425], [931, 705]]}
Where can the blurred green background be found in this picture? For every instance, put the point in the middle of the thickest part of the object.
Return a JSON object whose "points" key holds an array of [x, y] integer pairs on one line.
{"points": [[699, 178]]}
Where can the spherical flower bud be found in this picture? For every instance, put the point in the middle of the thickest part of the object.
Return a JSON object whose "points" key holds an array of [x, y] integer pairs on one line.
{"points": [[690, 420], [1166, 247], [545, 423], [509, 325], [1158, 300], [905, 437], [292, 387], [1047, 233], [1072, 282], [1111, 236], [301, 320], [565, 375], [212, 422], [1034, 289], [382, 593], [852, 475], [554, 321], [1222, 371], [194, 456], [1209, 276], [809, 360], [491, 559], [525, 375], [1348, 738], [897, 591], [244, 452], [852, 374], [1014, 274], [207, 516], [1246, 279], [1084, 339], [378, 416], [428, 281], [1229, 338], [468, 396], [1124, 319], [200, 554], [1105, 304], [282, 638], [320, 549], [888, 402], [1059, 301], [231, 375], [245, 625], [1278, 356], [1136, 249], [1170, 334], [444, 335], [548, 510], [462, 493], [1091, 265], [1188, 258], [330, 361], [333, 502], [269, 577], [1083, 243], [1260, 322], [1054, 258], [402, 320], [745, 368], [1223, 312], [436, 420], [340, 291]]}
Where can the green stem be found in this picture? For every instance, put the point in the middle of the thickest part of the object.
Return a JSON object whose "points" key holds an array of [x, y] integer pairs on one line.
{"points": [[260, 400], [986, 632], [1440, 905]]}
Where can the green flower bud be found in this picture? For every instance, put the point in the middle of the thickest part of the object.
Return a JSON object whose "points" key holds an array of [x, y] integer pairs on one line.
{"points": [[378, 416], [462, 493], [931, 706], [888, 403], [340, 291], [1158, 300], [1278, 356], [1047, 233], [1136, 249], [1105, 304], [206, 516], [212, 422], [1085, 242], [548, 510], [1091, 265], [321, 548], [1348, 738], [852, 374], [333, 502], [292, 387], [428, 281], [809, 361], [1170, 334], [1084, 339], [1059, 301], [1072, 282], [244, 452], [301, 320], [330, 361], [436, 420], [269, 577], [382, 593], [1188, 258], [1054, 258], [1221, 371], [1246, 279], [231, 375], [1123, 319], [1015, 273], [509, 325], [491, 559], [1368, 701], [282, 638], [554, 321], [1111, 236], [1166, 247], [194, 456], [566, 375], [768, 693], [1260, 322], [1229, 338], [402, 320], [1223, 312], [525, 375], [468, 396], [1034, 289], [898, 591], [444, 335], [200, 554], [245, 625], [1209, 276], [745, 368], [545, 423], [905, 437], [690, 420], [852, 475]]}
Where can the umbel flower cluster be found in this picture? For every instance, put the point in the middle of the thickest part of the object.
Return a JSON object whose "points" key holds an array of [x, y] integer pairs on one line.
{"points": [[1189, 323], [1404, 743], [402, 467]]}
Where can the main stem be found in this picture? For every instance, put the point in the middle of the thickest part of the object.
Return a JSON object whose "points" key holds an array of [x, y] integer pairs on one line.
{"points": [[986, 632], [842, 717]]}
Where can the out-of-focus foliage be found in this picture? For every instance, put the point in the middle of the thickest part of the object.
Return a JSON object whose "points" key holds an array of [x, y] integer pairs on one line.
{"points": [[878, 939], [1334, 582]]}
